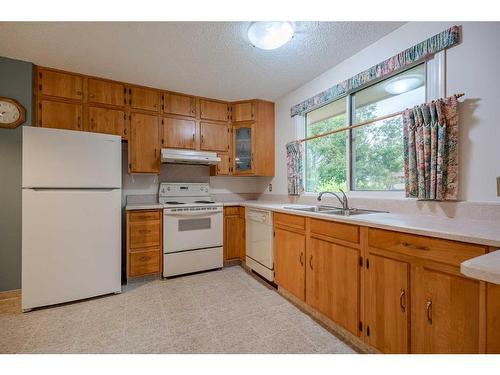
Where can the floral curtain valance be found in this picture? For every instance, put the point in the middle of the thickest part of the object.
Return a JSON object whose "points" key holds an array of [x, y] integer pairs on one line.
{"points": [[430, 137], [420, 51]]}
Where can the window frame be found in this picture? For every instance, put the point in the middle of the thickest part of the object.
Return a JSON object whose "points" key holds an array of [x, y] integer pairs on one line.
{"points": [[434, 81]]}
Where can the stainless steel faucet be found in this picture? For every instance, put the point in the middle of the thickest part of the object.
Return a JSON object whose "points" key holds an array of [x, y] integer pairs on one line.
{"points": [[344, 201]]}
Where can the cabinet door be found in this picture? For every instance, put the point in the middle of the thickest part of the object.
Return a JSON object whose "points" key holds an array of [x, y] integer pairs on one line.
{"points": [[145, 99], [243, 111], [214, 137], [289, 262], [243, 149], [108, 121], [106, 92], [223, 168], [144, 144], [178, 104], [63, 85], [333, 282], [60, 115], [387, 304], [214, 110], [178, 133], [445, 313], [234, 237]]}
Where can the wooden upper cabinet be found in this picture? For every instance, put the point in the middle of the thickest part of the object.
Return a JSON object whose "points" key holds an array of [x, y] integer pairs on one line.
{"points": [[243, 111], [214, 110], [289, 261], [214, 136], [144, 99], [178, 104], [108, 121], [144, 144], [178, 133], [106, 92], [387, 304], [60, 115], [446, 313], [223, 168], [59, 84]]}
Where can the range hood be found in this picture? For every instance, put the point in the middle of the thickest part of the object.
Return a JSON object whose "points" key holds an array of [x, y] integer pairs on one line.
{"points": [[174, 156]]}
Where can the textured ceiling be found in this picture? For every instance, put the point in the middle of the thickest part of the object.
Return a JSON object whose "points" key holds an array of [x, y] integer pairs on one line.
{"points": [[211, 59]]}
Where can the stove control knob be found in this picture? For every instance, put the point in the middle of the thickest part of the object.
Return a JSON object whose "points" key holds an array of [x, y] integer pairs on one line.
{"points": [[168, 189]]}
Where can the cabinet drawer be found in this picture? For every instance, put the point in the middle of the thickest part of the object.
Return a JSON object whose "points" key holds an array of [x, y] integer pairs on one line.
{"points": [[293, 221], [144, 262], [439, 250], [340, 231], [144, 234], [144, 215], [232, 211]]}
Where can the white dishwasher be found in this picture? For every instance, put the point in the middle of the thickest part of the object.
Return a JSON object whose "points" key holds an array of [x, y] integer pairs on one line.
{"points": [[259, 242]]}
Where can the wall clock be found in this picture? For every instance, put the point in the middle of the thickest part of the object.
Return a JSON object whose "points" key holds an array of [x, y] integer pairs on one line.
{"points": [[12, 113]]}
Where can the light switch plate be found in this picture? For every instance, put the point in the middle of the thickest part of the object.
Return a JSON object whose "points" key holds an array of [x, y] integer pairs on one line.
{"points": [[498, 186]]}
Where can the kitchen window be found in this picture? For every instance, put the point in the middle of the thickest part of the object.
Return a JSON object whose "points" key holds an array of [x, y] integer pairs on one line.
{"points": [[369, 157]]}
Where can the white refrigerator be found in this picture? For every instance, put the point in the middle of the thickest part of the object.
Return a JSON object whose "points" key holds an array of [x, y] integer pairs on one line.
{"points": [[71, 216]]}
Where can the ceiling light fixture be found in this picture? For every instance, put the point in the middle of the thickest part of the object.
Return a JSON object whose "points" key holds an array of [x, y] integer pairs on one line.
{"points": [[404, 84], [270, 35]]}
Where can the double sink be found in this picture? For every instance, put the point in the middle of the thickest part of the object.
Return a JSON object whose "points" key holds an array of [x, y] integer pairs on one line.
{"points": [[331, 210]]}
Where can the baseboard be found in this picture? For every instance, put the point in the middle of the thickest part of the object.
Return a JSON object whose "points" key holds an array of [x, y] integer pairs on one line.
{"points": [[330, 325], [10, 294]]}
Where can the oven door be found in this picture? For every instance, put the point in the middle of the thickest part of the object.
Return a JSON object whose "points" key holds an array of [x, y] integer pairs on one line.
{"points": [[189, 230]]}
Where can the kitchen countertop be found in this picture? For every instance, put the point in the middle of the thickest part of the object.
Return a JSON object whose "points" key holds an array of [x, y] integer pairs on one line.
{"points": [[485, 267], [481, 232]]}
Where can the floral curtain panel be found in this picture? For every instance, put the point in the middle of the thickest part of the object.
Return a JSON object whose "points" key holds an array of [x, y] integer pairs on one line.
{"points": [[295, 167], [430, 134]]}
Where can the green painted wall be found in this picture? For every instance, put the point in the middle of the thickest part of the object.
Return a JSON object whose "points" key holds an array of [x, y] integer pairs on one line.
{"points": [[15, 82]]}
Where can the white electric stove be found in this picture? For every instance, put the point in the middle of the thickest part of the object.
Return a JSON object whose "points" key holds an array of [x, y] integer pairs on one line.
{"points": [[192, 228]]}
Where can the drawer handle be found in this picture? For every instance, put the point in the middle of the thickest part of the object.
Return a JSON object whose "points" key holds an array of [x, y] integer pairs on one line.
{"points": [[144, 258], [411, 246], [401, 300], [428, 310], [311, 262], [144, 231], [301, 258]]}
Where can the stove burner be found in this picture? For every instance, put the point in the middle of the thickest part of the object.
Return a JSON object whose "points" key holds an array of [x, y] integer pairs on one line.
{"points": [[204, 202], [174, 202]]}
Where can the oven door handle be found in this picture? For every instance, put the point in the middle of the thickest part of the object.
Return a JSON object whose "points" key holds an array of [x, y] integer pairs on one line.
{"points": [[192, 213]]}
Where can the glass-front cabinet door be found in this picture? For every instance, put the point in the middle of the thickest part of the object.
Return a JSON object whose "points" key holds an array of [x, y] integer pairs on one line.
{"points": [[243, 149]]}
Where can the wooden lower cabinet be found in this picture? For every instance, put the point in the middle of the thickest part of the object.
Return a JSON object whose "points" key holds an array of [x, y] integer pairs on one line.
{"points": [[387, 304], [144, 242], [289, 261], [397, 292], [493, 318], [234, 233], [445, 312], [333, 282]]}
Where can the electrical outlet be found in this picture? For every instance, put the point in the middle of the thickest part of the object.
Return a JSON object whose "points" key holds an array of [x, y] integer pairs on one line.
{"points": [[498, 186], [271, 187]]}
